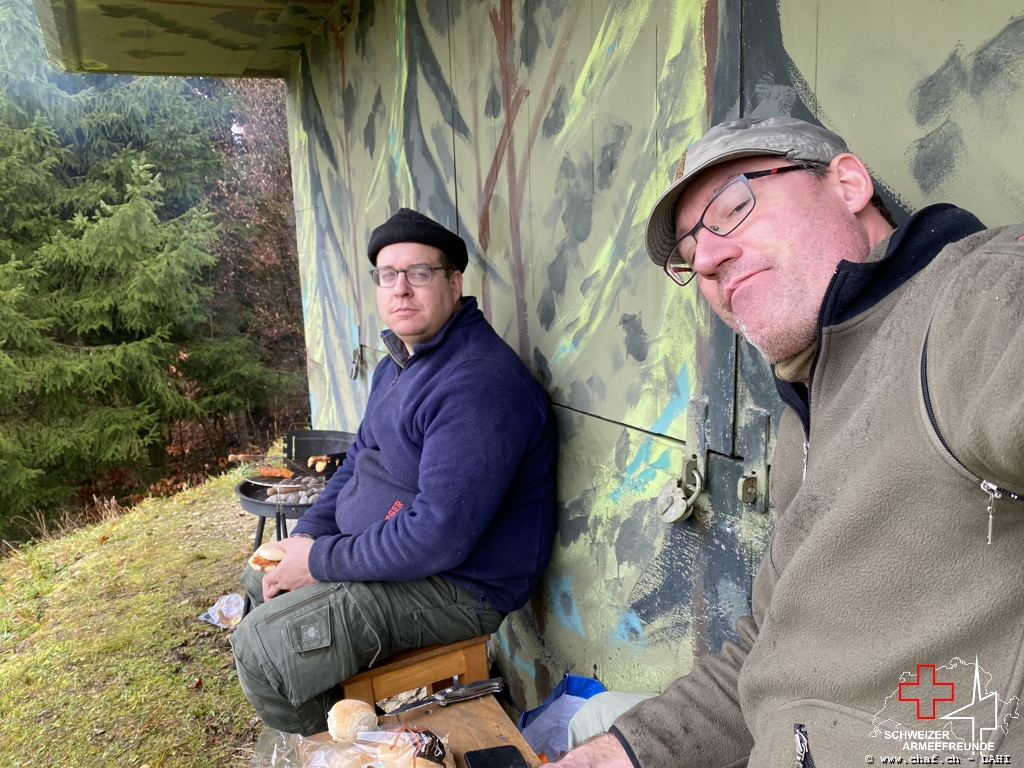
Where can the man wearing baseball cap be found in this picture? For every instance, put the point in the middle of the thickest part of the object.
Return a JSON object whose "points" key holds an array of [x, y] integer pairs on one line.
{"points": [[440, 520], [897, 475]]}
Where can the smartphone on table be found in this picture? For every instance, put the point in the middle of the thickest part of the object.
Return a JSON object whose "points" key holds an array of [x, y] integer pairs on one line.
{"points": [[506, 756]]}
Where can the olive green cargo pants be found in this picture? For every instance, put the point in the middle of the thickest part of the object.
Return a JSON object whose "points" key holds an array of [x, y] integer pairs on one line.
{"points": [[292, 651]]}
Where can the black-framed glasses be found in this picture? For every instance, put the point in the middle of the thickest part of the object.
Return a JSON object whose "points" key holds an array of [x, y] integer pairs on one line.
{"points": [[722, 215], [418, 275]]}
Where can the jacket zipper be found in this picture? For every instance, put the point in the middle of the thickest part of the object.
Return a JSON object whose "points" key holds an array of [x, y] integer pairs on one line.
{"points": [[398, 364], [392, 356], [992, 490], [814, 364], [398, 372], [803, 746]]}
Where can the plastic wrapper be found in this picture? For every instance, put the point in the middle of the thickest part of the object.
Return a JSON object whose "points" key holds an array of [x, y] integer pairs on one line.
{"points": [[397, 747], [226, 612]]}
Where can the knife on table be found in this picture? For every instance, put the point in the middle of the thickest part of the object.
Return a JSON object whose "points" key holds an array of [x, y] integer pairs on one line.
{"points": [[455, 694]]}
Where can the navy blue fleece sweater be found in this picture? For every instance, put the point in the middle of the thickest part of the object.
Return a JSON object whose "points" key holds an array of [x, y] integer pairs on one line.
{"points": [[452, 472]]}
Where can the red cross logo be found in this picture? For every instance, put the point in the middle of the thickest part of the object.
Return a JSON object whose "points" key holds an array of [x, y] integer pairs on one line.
{"points": [[927, 691]]}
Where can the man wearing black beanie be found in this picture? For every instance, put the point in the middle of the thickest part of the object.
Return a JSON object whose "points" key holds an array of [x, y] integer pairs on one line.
{"points": [[440, 520]]}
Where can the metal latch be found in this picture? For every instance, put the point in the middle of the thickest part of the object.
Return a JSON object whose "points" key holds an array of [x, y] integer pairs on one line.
{"points": [[357, 363], [697, 434], [752, 487], [679, 496]]}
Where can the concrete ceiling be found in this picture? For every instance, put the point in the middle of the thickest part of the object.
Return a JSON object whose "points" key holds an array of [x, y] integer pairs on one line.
{"points": [[235, 38]]}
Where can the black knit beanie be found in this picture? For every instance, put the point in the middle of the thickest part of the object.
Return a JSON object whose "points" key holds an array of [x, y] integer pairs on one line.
{"points": [[408, 226]]}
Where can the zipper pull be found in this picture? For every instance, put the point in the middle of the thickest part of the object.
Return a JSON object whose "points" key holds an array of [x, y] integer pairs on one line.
{"points": [[807, 448], [993, 494], [803, 747]]}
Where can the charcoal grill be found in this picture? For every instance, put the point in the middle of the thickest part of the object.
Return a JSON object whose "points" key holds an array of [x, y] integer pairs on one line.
{"points": [[299, 446]]}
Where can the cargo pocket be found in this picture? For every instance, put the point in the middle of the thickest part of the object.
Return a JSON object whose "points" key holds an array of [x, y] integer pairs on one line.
{"points": [[310, 631], [304, 657]]}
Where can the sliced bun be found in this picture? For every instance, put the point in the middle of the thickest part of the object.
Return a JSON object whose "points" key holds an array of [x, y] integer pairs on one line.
{"points": [[350, 716], [266, 557]]}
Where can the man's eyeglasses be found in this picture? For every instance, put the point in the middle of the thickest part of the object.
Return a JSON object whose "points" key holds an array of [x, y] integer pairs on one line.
{"points": [[726, 211], [418, 275]]}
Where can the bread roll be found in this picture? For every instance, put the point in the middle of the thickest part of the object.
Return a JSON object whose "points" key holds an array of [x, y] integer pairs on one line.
{"points": [[266, 557], [350, 716]]}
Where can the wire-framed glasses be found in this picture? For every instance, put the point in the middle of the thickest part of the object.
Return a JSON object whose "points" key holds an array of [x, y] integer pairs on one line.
{"points": [[726, 211], [418, 275]]}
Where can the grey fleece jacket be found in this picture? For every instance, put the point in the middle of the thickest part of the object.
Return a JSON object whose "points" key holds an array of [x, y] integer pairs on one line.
{"points": [[879, 561]]}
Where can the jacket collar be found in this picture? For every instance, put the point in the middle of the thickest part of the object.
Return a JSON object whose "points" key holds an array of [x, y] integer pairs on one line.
{"points": [[400, 353], [856, 287], [911, 248]]}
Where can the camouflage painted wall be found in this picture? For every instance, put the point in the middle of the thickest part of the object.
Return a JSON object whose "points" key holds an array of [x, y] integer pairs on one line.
{"points": [[543, 131], [936, 113]]}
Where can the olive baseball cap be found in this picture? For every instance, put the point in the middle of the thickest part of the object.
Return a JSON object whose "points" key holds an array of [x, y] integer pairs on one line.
{"points": [[782, 136]]}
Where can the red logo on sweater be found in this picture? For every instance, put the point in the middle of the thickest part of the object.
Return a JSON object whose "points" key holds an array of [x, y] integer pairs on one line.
{"points": [[394, 510]]}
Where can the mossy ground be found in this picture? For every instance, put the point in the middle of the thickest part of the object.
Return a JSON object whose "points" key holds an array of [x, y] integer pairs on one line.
{"points": [[103, 661]]}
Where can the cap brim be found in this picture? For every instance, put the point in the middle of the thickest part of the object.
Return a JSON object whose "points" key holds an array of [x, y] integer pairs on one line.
{"points": [[660, 236]]}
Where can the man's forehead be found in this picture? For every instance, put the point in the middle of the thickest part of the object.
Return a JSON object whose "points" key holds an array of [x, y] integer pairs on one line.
{"points": [[709, 182], [411, 253]]}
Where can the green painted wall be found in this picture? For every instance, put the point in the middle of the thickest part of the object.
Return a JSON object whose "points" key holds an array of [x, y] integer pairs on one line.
{"points": [[930, 94]]}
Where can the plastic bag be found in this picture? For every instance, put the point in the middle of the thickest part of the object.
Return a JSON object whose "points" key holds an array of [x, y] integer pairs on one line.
{"points": [[226, 612], [398, 747], [546, 728]]}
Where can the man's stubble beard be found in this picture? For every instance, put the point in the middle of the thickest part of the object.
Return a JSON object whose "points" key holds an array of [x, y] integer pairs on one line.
{"points": [[783, 340], [788, 333]]}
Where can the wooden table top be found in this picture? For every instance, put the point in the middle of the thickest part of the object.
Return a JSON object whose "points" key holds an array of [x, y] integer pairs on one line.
{"points": [[474, 724]]}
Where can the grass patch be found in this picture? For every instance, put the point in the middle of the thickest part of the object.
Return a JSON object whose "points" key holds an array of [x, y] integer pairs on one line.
{"points": [[103, 660]]}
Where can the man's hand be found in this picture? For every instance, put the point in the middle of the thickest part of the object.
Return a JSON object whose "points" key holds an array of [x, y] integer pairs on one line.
{"points": [[604, 750], [293, 570]]}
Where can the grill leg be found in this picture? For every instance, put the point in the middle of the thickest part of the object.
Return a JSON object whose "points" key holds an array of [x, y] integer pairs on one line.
{"points": [[259, 533], [282, 525]]}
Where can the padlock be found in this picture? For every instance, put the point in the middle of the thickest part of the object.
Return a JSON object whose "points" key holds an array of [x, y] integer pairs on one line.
{"points": [[672, 504]]}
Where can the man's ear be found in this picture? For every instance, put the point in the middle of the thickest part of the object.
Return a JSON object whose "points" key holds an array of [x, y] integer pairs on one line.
{"points": [[853, 181], [457, 284]]}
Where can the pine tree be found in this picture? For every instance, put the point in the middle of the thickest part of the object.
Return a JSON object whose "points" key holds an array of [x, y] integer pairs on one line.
{"points": [[257, 277], [105, 264]]}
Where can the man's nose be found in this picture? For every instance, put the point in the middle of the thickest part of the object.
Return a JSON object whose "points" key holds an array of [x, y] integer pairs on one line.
{"points": [[712, 252], [401, 286]]}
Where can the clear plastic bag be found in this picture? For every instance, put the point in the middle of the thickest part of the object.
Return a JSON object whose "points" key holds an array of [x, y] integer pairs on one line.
{"points": [[398, 747], [226, 612]]}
